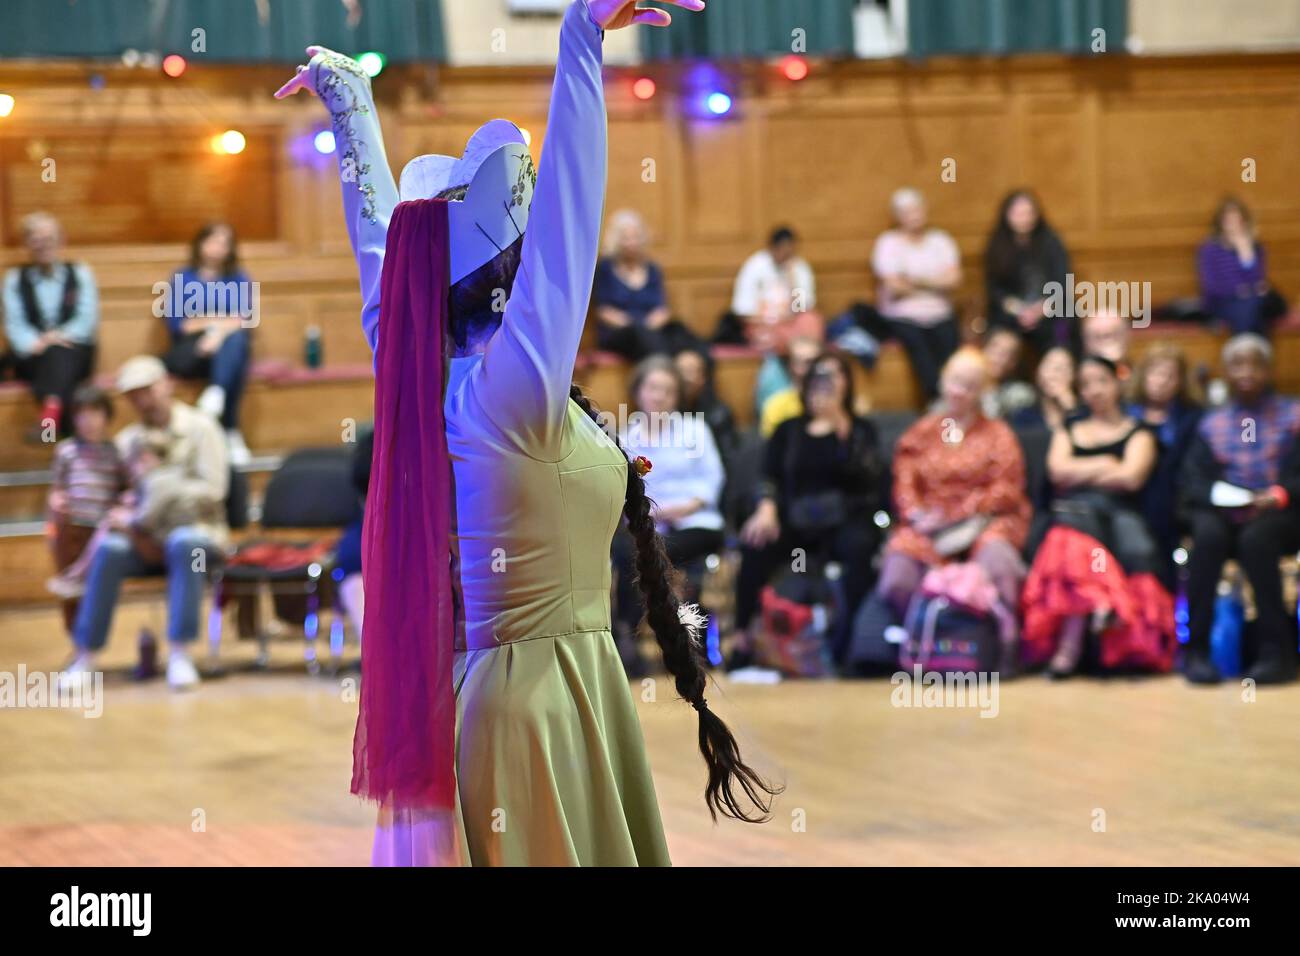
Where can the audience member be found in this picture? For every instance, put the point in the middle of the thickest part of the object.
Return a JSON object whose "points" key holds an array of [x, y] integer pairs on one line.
{"points": [[684, 483], [629, 297], [1096, 571], [1007, 393], [1056, 399], [959, 492], [347, 553], [918, 268], [1164, 396], [695, 368], [210, 331], [1107, 333], [88, 478], [1232, 266], [775, 295], [781, 398], [182, 477], [821, 488], [1241, 486], [51, 319], [1024, 254]]}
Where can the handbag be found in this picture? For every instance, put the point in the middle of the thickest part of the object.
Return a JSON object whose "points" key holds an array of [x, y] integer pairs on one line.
{"points": [[818, 512], [959, 537]]}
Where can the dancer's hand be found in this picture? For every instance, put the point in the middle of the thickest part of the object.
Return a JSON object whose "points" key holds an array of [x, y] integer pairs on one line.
{"points": [[617, 14], [301, 80]]}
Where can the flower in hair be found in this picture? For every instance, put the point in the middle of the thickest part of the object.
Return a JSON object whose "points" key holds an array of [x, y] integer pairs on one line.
{"points": [[643, 465]]}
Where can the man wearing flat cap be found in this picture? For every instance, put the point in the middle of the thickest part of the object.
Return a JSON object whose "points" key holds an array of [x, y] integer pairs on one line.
{"points": [[178, 455]]}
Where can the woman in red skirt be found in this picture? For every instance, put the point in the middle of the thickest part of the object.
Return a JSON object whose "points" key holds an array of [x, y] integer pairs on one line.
{"points": [[1093, 581]]}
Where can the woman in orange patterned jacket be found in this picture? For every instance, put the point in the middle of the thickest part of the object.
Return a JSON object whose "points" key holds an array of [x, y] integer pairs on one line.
{"points": [[959, 491]]}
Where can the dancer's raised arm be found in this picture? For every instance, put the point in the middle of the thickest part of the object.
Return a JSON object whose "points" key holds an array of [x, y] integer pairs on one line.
{"points": [[369, 192], [533, 354]]}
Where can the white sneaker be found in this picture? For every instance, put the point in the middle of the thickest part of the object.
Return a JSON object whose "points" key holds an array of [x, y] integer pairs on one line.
{"points": [[213, 401], [181, 672], [76, 673], [239, 453]]}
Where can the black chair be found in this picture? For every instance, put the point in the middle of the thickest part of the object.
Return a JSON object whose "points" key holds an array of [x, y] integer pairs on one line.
{"points": [[312, 489]]}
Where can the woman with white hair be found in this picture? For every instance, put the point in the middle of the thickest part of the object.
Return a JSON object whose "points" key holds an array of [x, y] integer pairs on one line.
{"points": [[959, 495], [918, 269], [51, 316], [630, 301]]}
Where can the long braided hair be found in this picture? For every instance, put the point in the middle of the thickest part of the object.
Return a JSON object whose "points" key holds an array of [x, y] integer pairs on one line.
{"points": [[729, 775], [471, 316]]}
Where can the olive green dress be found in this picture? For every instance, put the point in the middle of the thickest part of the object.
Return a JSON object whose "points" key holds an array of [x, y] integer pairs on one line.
{"points": [[551, 762]]}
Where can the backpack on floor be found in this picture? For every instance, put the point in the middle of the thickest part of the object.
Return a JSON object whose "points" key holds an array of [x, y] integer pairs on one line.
{"points": [[947, 638], [797, 615], [952, 623]]}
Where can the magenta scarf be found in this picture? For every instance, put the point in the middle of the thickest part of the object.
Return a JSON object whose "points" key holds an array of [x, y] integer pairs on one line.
{"points": [[403, 750]]}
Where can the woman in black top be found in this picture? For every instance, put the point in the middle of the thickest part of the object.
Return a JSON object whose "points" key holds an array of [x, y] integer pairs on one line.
{"points": [[820, 492], [1095, 575], [1024, 255]]}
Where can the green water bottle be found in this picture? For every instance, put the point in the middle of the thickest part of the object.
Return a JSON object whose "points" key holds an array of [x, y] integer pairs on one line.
{"points": [[312, 348]]}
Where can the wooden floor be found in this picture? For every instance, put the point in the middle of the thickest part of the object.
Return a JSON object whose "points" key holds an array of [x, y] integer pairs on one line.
{"points": [[261, 762]]}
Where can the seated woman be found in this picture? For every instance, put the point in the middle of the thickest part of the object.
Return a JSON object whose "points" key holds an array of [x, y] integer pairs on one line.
{"points": [[959, 492], [699, 397], [629, 298], [1233, 270], [1024, 254], [1007, 393], [1096, 572], [684, 483], [1165, 397], [820, 490], [210, 339], [918, 273], [1056, 399]]}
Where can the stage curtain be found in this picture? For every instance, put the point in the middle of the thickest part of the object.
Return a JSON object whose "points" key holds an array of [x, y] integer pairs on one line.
{"points": [[729, 28], [403, 30], [1014, 26]]}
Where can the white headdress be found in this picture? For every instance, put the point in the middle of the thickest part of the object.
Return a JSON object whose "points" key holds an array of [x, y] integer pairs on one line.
{"points": [[498, 169]]}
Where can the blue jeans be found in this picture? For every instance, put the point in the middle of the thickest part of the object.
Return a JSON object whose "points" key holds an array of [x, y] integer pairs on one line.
{"points": [[227, 367], [115, 559]]}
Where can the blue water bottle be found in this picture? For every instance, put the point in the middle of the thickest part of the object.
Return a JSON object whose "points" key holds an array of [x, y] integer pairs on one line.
{"points": [[1226, 632]]}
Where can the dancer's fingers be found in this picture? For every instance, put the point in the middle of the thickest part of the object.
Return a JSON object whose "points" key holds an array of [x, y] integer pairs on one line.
{"points": [[299, 82], [695, 5], [652, 17]]}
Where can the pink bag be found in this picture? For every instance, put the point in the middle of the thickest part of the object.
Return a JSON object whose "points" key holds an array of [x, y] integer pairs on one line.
{"points": [[967, 585]]}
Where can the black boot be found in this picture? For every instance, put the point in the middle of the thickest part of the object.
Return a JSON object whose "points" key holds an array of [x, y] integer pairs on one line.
{"points": [[1274, 666], [1199, 669]]}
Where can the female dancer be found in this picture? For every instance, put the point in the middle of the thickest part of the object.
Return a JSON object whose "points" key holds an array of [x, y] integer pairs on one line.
{"points": [[496, 725]]}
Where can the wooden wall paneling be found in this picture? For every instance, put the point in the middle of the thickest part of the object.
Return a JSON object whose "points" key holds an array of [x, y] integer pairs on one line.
{"points": [[1129, 154]]}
